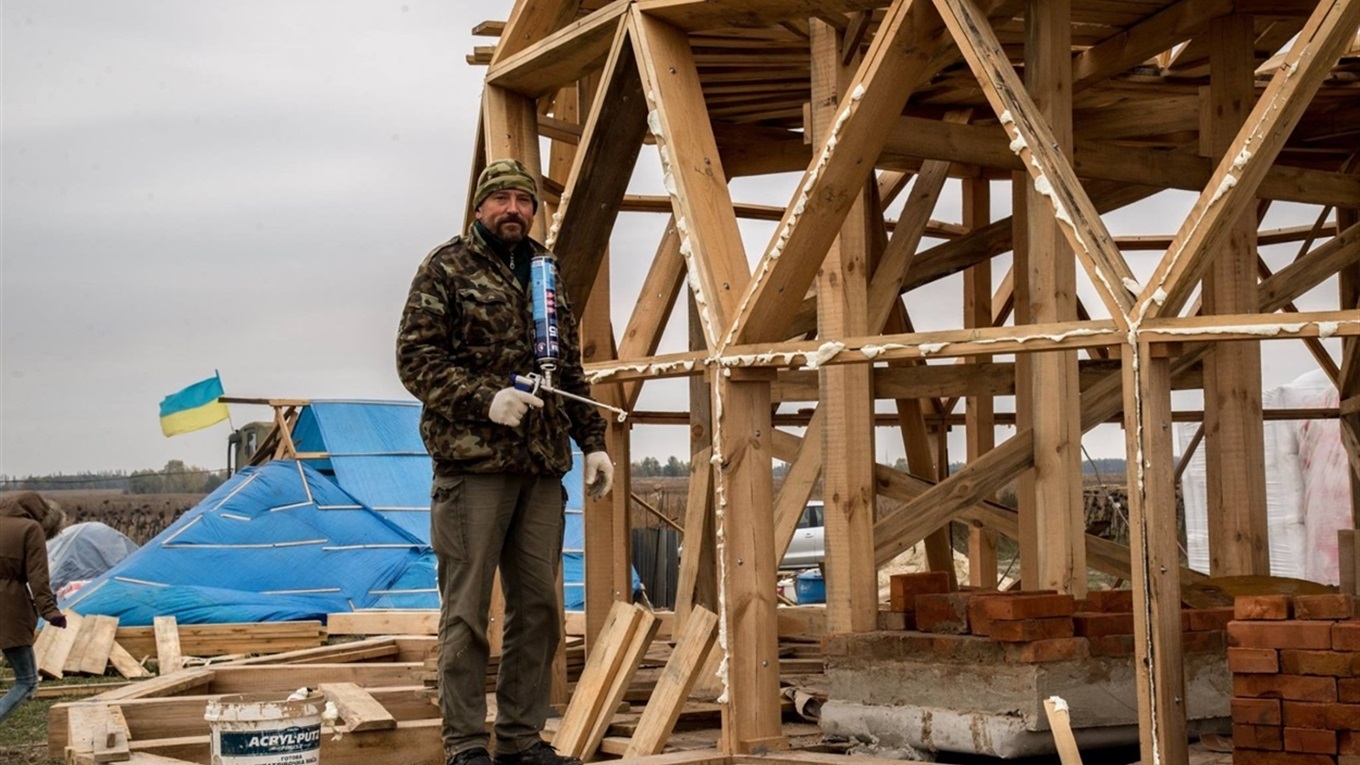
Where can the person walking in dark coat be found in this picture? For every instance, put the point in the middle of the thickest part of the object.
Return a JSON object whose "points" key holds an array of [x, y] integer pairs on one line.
{"points": [[27, 521]]}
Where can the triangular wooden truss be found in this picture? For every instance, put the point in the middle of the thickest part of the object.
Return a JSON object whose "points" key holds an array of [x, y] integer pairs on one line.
{"points": [[1088, 107]]}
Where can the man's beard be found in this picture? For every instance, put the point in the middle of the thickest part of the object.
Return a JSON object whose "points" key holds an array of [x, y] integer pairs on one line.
{"points": [[510, 235]]}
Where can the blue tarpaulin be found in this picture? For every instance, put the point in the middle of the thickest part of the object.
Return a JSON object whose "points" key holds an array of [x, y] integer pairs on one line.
{"points": [[293, 540]]}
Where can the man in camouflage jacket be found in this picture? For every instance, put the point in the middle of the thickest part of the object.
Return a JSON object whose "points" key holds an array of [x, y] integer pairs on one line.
{"points": [[499, 455]]}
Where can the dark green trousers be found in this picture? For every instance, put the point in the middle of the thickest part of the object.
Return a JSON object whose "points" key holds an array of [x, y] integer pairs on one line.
{"points": [[479, 522]]}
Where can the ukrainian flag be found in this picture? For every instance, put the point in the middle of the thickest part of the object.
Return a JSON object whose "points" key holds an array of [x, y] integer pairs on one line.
{"points": [[193, 408]]}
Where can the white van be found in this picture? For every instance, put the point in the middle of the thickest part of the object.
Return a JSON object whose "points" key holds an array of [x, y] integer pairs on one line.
{"points": [[806, 549]]}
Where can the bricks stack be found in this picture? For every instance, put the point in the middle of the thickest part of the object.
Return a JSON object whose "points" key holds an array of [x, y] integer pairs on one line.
{"points": [[1038, 626], [1296, 680]]}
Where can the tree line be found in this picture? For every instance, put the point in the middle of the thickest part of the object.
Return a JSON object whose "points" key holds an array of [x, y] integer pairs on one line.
{"points": [[175, 478]]}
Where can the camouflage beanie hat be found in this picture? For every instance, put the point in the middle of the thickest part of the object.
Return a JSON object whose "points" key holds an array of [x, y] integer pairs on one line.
{"points": [[504, 174]]}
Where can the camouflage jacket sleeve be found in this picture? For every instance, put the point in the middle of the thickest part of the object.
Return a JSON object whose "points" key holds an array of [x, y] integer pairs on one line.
{"points": [[587, 425], [425, 362]]}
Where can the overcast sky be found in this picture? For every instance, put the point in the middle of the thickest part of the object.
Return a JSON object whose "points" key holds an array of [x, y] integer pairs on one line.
{"points": [[246, 187]]}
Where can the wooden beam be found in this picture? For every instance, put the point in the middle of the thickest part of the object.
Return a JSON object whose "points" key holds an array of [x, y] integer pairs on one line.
{"points": [[1310, 270], [530, 22], [900, 57], [698, 15], [1234, 183], [600, 171], [678, 119], [922, 138], [673, 687], [980, 428], [656, 300], [1033, 139], [565, 56], [1135, 44]]}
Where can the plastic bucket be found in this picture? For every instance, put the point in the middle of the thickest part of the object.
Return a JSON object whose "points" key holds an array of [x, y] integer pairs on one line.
{"points": [[810, 587], [264, 729]]}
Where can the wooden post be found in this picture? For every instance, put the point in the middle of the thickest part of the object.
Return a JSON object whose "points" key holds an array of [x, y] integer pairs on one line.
{"points": [[979, 410], [1234, 443], [1052, 297], [744, 493], [1153, 551], [846, 391]]}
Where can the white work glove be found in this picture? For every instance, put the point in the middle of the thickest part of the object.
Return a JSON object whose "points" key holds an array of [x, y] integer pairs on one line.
{"points": [[509, 405], [599, 474]]}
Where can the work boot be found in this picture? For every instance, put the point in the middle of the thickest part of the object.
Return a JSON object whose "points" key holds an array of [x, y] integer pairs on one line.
{"points": [[541, 753], [473, 756]]}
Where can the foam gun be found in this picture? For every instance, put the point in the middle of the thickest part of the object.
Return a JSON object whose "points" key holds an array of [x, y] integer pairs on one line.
{"points": [[547, 350]]}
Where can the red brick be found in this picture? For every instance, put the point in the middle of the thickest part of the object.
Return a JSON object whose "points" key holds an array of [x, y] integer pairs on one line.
{"points": [[1310, 740], [1343, 716], [896, 621], [1268, 737], [944, 613], [1348, 690], [1111, 645], [1293, 687], [903, 588], [1259, 712], [1348, 742], [1098, 624], [1259, 607], [1332, 606], [1333, 663], [1254, 661], [1107, 601], [1256, 757], [978, 623], [1346, 636], [1029, 607], [1265, 634], [1207, 619], [1215, 641], [1025, 630], [1303, 714], [1055, 649]]}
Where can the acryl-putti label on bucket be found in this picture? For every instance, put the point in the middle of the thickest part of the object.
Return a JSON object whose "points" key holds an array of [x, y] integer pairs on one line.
{"points": [[297, 745]]}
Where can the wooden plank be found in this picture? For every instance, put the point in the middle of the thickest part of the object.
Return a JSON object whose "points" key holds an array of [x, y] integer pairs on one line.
{"points": [[805, 468], [846, 400], [1156, 573], [603, 662], [600, 170], [95, 658], [383, 623], [111, 745], [54, 645], [636, 649], [678, 119], [1060, 721], [84, 633], [1234, 182], [656, 300], [168, 656], [165, 685], [1312, 269], [1034, 140], [358, 708], [125, 664], [698, 532], [673, 687], [359, 650], [1348, 553]]}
